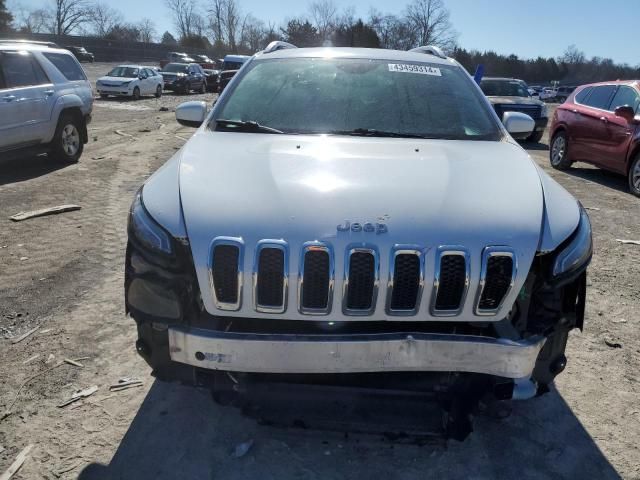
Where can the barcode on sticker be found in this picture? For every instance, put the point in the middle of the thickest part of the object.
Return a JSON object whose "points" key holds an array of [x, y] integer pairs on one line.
{"points": [[410, 68]]}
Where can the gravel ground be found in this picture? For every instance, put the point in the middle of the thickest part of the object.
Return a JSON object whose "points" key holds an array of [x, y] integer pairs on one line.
{"points": [[64, 273]]}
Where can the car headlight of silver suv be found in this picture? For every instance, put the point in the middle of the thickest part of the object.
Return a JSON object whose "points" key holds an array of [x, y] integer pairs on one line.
{"points": [[146, 230], [577, 251]]}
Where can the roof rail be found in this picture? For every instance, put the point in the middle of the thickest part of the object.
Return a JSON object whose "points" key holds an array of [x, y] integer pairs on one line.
{"points": [[277, 45], [5, 41], [430, 50]]}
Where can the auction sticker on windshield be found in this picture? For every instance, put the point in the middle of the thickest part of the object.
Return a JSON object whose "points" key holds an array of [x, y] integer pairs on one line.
{"points": [[410, 68]]}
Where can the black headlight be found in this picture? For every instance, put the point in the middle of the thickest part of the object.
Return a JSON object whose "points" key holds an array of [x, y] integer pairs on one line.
{"points": [[146, 231], [575, 254]]}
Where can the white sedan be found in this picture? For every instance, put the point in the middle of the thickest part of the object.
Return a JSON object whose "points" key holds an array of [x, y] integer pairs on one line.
{"points": [[130, 81]]}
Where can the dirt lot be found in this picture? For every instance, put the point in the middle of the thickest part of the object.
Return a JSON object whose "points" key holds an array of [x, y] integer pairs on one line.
{"points": [[64, 273]]}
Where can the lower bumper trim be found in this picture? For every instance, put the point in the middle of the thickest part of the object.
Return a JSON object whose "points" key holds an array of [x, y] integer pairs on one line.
{"points": [[266, 353]]}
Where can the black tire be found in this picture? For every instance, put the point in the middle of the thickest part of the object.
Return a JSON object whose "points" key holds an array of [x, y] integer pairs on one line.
{"points": [[187, 88], [203, 87], [634, 176], [67, 145], [136, 93], [535, 137], [158, 91], [558, 151]]}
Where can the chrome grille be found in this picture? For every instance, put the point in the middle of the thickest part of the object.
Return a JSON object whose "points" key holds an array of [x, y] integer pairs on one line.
{"points": [[360, 282], [225, 274], [316, 280], [406, 266], [406, 280], [496, 279], [451, 281], [270, 278]]}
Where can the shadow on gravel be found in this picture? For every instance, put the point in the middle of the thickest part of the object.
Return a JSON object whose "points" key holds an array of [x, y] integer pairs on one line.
{"points": [[603, 177], [535, 146], [180, 433], [26, 168]]}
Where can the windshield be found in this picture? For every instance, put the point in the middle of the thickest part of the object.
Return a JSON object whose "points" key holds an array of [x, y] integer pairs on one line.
{"points": [[504, 88], [176, 67], [342, 96], [126, 72]]}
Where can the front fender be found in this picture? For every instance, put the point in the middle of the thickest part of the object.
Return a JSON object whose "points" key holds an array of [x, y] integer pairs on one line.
{"points": [[64, 102]]}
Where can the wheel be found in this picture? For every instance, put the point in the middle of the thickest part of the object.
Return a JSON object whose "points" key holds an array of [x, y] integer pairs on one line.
{"points": [[136, 93], [67, 143], [158, 91], [203, 88], [187, 88], [634, 176], [535, 137], [558, 151]]}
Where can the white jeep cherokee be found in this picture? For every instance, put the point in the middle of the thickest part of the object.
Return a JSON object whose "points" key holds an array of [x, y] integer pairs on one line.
{"points": [[350, 211]]}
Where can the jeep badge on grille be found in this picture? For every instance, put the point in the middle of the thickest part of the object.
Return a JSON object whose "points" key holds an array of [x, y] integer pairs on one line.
{"points": [[368, 227]]}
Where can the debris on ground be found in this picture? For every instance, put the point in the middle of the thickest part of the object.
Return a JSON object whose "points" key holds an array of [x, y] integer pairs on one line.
{"points": [[628, 242], [242, 449], [620, 320], [79, 395], [592, 208], [164, 109], [612, 344], [125, 383], [30, 359], [18, 217], [50, 358], [22, 259], [123, 134], [25, 335], [17, 463], [73, 362]]}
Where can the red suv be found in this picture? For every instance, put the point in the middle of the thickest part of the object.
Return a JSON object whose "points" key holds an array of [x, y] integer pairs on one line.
{"points": [[600, 124]]}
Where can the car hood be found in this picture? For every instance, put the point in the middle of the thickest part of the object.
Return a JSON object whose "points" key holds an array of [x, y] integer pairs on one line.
{"points": [[515, 100], [116, 79], [299, 188]]}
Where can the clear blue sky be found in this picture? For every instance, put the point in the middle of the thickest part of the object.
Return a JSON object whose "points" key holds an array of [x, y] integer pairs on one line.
{"points": [[527, 28]]}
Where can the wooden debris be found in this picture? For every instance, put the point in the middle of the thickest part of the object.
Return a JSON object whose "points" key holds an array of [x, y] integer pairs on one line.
{"points": [[123, 134], [31, 359], [612, 344], [73, 362], [18, 217], [592, 208], [79, 394], [628, 242], [24, 335], [125, 383], [17, 463]]}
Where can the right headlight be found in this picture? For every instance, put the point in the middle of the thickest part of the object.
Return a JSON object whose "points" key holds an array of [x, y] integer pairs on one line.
{"points": [[575, 254], [146, 230]]}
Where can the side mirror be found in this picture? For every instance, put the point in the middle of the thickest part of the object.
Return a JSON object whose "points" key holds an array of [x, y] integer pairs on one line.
{"points": [[519, 125], [626, 112], [191, 114]]}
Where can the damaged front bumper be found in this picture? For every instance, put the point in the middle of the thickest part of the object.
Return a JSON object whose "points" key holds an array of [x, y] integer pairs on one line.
{"points": [[354, 353]]}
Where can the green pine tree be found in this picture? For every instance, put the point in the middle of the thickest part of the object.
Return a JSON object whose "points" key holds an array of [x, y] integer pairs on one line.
{"points": [[5, 18]]}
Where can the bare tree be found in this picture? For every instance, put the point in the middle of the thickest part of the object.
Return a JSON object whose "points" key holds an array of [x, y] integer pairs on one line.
{"points": [[429, 20], [572, 56], [102, 18], [185, 13], [33, 21], [147, 30], [393, 32], [253, 34], [69, 15], [216, 11], [323, 14]]}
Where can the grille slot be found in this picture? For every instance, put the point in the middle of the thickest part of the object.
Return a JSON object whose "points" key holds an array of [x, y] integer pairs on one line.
{"points": [[451, 282], [361, 282], [226, 273], [406, 283], [496, 279], [270, 281], [316, 280]]}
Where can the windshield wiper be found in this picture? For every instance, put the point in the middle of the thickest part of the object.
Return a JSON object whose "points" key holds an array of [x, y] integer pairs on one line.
{"points": [[246, 126], [372, 132]]}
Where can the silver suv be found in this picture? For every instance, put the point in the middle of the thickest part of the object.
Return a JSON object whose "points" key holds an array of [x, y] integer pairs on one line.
{"points": [[45, 101]]}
